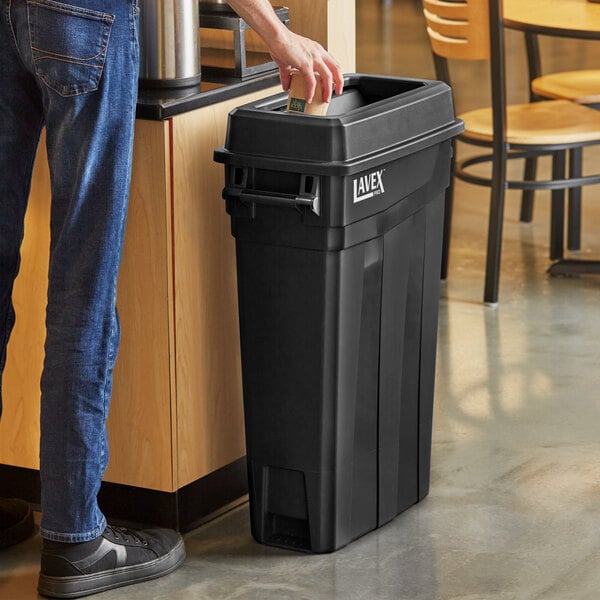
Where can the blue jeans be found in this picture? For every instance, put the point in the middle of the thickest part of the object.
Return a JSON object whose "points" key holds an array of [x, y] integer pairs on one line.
{"points": [[72, 67]]}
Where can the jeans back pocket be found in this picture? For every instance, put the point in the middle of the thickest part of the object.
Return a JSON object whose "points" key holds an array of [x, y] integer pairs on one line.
{"points": [[68, 45]]}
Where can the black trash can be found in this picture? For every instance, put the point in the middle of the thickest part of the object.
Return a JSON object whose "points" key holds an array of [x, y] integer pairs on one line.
{"points": [[338, 227]]}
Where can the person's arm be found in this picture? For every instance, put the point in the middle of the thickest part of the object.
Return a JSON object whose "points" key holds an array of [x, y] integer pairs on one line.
{"points": [[290, 50]]}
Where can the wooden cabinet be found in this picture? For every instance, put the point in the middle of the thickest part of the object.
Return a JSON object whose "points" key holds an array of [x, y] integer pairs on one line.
{"points": [[19, 426], [176, 412]]}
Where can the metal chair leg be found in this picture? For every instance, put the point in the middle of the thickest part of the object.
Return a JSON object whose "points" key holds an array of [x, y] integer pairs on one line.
{"points": [[527, 196], [574, 210], [496, 221], [535, 68], [557, 213]]}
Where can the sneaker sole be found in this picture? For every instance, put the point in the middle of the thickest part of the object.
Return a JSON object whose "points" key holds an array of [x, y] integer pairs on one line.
{"points": [[85, 585]]}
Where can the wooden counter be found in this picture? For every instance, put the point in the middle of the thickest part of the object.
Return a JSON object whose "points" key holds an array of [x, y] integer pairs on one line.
{"points": [[176, 420]]}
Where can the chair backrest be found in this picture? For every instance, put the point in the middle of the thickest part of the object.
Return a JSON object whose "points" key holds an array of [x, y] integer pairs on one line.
{"points": [[458, 29], [472, 30]]}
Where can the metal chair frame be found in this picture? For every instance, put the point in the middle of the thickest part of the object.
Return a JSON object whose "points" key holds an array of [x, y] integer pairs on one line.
{"points": [[501, 152], [534, 66]]}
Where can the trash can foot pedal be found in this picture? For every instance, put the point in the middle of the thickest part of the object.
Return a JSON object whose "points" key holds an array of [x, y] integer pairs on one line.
{"points": [[289, 541], [287, 532]]}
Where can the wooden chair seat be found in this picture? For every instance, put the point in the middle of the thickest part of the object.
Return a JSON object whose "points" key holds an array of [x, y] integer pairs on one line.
{"points": [[551, 122], [582, 86]]}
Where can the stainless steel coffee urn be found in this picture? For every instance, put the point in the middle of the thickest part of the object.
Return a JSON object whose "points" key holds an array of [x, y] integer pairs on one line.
{"points": [[169, 46]]}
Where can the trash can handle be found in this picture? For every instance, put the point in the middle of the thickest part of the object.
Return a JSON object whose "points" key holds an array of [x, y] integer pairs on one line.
{"points": [[279, 199], [240, 191]]}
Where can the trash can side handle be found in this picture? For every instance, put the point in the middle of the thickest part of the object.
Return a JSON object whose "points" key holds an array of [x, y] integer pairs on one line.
{"points": [[253, 197]]}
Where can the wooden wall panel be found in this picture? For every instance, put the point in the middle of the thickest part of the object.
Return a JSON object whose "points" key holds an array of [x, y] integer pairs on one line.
{"points": [[209, 390], [140, 421], [19, 426], [330, 22]]}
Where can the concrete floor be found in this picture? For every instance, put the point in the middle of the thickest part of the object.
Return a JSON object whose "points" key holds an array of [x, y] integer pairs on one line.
{"points": [[514, 507]]}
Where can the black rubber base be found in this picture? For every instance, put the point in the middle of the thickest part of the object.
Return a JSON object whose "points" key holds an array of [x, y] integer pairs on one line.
{"points": [[571, 267]]}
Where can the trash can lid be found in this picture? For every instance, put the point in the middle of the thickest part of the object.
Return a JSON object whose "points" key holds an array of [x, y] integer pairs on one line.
{"points": [[375, 119]]}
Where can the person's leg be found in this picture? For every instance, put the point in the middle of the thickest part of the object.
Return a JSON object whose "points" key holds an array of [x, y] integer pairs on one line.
{"points": [[89, 96], [20, 126], [84, 56]]}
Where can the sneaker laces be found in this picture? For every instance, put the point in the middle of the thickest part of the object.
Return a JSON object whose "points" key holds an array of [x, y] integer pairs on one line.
{"points": [[126, 534]]}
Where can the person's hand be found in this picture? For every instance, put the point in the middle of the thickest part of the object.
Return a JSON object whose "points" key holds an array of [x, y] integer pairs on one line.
{"points": [[293, 51]]}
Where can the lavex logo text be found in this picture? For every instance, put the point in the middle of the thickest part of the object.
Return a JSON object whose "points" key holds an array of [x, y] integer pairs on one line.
{"points": [[367, 186]]}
